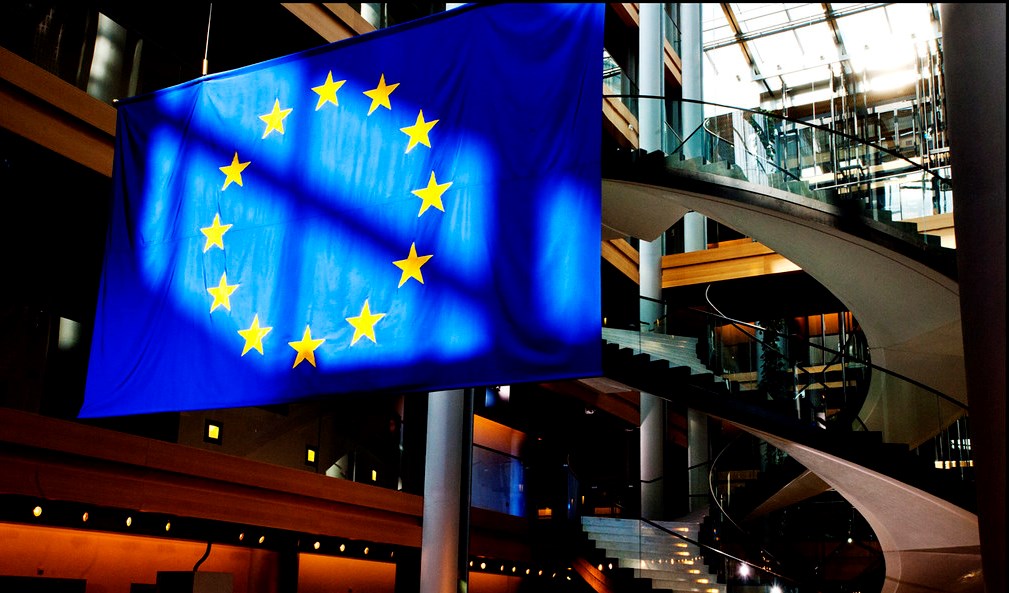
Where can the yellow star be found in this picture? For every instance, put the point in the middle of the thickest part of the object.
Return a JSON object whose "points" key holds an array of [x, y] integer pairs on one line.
{"points": [[233, 172], [275, 119], [306, 348], [431, 194], [364, 324], [215, 233], [411, 265], [327, 92], [380, 94], [254, 336], [418, 131], [222, 293]]}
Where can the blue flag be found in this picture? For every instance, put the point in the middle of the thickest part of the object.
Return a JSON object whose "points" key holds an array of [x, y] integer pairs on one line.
{"points": [[414, 209]]}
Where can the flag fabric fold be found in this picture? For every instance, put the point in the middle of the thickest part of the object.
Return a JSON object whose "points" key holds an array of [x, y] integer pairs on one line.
{"points": [[414, 209]]}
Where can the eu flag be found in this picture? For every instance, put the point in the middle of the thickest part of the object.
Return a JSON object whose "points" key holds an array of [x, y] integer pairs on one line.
{"points": [[413, 209]]}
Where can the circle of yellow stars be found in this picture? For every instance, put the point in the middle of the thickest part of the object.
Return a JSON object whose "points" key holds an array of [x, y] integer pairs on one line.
{"points": [[410, 267]]}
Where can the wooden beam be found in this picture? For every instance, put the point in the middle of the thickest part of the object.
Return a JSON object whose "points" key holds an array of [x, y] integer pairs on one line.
{"points": [[623, 257], [618, 121], [331, 20], [55, 114]]}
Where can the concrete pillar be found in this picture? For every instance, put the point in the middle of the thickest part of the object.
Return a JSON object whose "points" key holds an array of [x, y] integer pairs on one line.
{"points": [[439, 555], [651, 82], [695, 226], [974, 52], [692, 56]]}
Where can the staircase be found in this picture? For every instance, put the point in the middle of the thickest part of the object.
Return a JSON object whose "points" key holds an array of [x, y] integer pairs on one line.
{"points": [[680, 351], [650, 558]]}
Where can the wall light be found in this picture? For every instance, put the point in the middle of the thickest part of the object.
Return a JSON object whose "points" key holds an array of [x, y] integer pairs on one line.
{"points": [[37, 511], [317, 545], [129, 521], [311, 456], [212, 431]]}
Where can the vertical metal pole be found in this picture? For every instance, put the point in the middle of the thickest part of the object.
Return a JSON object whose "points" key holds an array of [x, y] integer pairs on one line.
{"points": [[206, 47]]}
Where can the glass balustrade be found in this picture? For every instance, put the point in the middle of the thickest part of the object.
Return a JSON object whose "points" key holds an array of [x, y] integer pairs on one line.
{"points": [[811, 161]]}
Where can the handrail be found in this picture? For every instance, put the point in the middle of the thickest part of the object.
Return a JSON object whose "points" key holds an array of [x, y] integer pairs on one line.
{"points": [[836, 353], [795, 121], [711, 548]]}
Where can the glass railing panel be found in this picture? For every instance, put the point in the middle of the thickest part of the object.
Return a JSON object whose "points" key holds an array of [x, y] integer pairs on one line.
{"points": [[498, 482], [619, 84], [816, 163]]}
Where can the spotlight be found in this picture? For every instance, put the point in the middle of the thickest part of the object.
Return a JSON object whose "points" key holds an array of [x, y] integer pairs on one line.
{"points": [[317, 545], [168, 526], [744, 570], [37, 511], [262, 538], [129, 521], [84, 517]]}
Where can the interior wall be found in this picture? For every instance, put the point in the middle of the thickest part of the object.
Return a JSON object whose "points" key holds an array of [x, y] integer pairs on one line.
{"points": [[112, 562], [329, 574]]}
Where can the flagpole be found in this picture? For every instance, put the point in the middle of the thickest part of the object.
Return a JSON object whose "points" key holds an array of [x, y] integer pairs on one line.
{"points": [[206, 47]]}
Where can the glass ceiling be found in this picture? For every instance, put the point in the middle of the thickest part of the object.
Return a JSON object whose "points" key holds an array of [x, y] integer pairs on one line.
{"points": [[754, 50]]}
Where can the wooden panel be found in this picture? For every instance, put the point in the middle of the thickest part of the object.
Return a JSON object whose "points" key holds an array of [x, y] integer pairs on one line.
{"points": [[623, 257], [63, 460], [735, 260]]}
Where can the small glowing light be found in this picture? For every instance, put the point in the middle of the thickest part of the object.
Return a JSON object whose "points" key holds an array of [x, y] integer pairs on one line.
{"points": [[129, 521], [84, 517], [744, 570], [514, 568], [374, 476], [775, 589], [850, 540], [310, 455], [540, 573], [600, 567], [262, 538], [528, 570], [712, 590], [703, 581], [343, 547], [168, 526], [317, 545], [37, 511], [483, 565], [213, 431], [471, 563], [241, 536], [694, 571], [688, 562], [610, 565], [681, 545], [683, 553], [366, 550], [502, 568]]}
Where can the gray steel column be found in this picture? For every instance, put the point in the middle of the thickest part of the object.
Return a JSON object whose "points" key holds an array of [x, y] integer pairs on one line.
{"points": [[973, 40], [651, 79], [698, 457], [439, 554]]}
